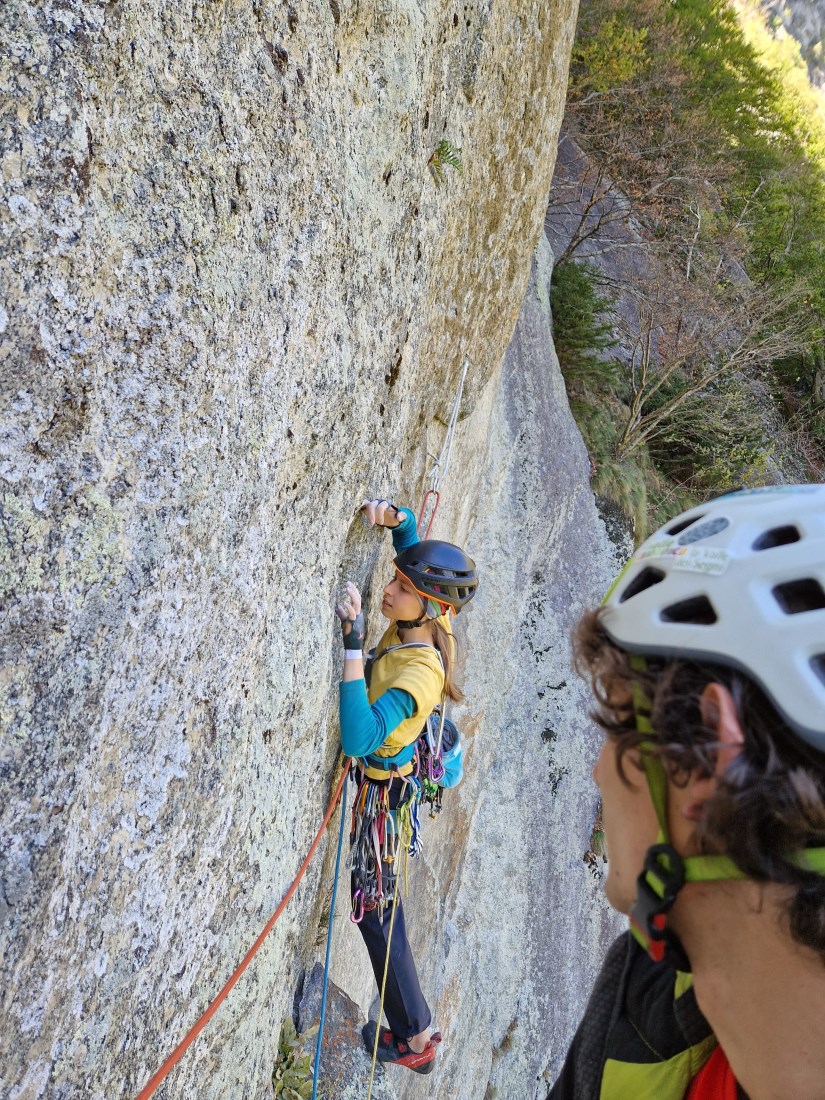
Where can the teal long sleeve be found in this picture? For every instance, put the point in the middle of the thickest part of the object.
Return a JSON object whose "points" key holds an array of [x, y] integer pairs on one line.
{"points": [[406, 533], [365, 728]]}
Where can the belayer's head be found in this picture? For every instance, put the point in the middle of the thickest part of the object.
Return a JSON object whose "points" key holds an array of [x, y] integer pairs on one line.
{"points": [[708, 666], [438, 575]]}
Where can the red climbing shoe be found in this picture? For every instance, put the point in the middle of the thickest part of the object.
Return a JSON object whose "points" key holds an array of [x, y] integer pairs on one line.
{"points": [[398, 1052]]}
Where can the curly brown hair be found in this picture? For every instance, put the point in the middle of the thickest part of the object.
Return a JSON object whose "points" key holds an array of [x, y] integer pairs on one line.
{"points": [[770, 802]]}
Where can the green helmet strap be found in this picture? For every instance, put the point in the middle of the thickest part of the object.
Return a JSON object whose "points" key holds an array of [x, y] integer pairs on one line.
{"points": [[665, 871]]}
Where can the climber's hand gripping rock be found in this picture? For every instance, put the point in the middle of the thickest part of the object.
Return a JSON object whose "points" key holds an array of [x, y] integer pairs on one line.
{"points": [[352, 618], [381, 513]]}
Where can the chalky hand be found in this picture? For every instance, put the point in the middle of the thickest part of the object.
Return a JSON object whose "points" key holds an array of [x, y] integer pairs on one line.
{"points": [[381, 513], [352, 618]]}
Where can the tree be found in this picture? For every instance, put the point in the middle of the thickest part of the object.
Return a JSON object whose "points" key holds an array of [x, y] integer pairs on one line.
{"points": [[686, 342], [580, 336]]}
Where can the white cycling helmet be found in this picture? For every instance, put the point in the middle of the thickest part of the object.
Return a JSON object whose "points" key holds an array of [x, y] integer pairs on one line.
{"points": [[739, 581]]}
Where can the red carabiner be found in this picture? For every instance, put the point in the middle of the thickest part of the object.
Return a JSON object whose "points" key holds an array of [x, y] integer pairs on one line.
{"points": [[430, 493]]}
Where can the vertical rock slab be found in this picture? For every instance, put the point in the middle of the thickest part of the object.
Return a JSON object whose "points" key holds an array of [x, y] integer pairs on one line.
{"points": [[507, 918], [345, 1062], [232, 302]]}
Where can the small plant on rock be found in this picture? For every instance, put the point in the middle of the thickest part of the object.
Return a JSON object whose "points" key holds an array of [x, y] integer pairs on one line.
{"points": [[292, 1076], [444, 155]]}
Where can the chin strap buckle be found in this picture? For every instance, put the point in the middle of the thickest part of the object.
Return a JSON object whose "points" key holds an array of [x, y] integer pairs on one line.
{"points": [[656, 891]]}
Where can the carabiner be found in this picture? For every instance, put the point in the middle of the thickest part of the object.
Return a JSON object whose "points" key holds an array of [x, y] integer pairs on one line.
{"points": [[430, 493], [357, 914], [389, 839]]}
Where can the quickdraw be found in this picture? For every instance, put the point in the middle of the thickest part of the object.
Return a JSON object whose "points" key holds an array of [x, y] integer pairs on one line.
{"points": [[377, 855], [432, 498], [430, 762]]}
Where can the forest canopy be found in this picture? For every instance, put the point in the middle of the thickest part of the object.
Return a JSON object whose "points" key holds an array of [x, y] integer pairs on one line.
{"points": [[701, 119]]}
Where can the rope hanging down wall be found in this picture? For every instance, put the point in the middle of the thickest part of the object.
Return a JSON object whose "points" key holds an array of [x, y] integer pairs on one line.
{"points": [[198, 1027]]}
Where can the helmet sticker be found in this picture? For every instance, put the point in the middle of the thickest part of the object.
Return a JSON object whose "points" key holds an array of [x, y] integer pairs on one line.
{"points": [[710, 560], [659, 549]]}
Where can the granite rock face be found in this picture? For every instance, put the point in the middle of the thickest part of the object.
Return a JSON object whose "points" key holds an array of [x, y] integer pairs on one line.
{"points": [[803, 20], [345, 1062], [233, 303], [505, 914]]}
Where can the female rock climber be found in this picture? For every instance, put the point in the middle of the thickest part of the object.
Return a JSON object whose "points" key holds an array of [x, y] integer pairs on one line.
{"points": [[708, 664], [410, 674]]}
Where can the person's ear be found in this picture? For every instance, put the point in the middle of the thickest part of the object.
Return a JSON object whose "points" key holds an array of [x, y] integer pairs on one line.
{"points": [[718, 712]]}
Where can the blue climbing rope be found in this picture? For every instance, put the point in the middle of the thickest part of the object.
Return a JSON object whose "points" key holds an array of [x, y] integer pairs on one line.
{"points": [[315, 1073]]}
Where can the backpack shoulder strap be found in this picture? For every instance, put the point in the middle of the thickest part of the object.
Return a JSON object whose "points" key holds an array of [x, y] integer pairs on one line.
{"points": [[410, 645]]}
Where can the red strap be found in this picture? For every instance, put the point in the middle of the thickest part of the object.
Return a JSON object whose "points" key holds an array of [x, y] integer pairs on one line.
{"points": [[714, 1081]]}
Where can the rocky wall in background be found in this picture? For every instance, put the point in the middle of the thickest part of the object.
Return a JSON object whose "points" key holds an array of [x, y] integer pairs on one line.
{"points": [[803, 20], [233, 301], [506, 915]]}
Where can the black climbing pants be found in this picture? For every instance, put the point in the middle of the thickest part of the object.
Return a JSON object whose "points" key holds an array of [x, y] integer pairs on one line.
{"points": [[406, 1010], [404, 1006]]}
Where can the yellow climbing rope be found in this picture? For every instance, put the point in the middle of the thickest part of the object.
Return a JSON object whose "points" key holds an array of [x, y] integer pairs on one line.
{"points": [[404, 832]]}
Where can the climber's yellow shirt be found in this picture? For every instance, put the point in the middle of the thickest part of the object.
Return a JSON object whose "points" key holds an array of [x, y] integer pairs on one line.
{"points": [[416, 670]]}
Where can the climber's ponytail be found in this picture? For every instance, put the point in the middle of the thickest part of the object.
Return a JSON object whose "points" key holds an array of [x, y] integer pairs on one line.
{"points": [[445, 643]]}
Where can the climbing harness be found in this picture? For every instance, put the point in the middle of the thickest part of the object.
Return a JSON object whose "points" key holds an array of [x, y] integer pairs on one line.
{"points": [[432, 497], [179, 1051], [378, 856], [341, 831], [437, 752]]}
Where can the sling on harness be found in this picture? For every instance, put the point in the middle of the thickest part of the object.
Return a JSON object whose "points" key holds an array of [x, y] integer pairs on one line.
{"points": [[440, 761]]}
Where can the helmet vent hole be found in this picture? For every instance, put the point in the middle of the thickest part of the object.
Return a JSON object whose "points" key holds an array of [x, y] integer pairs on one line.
{"points": [[777, 536], [646, 579], [677, 528], [697, 611], [796, 597], [818, 665]]}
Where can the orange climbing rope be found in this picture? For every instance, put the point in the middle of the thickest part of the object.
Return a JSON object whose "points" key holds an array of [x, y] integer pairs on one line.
{"points": [[198, 1027]]}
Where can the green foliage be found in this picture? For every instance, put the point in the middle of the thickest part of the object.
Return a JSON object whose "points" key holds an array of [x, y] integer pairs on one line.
{"points": [[773, 139], [614, 55], [703, 118], [445, 155], [717, 441], [715, 117], [665, 499], [292, 1077], [620, 481], [580, 334]]}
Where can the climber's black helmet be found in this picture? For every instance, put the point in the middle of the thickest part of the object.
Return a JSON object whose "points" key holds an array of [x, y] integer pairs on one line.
{"points": [[439, 571]]}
